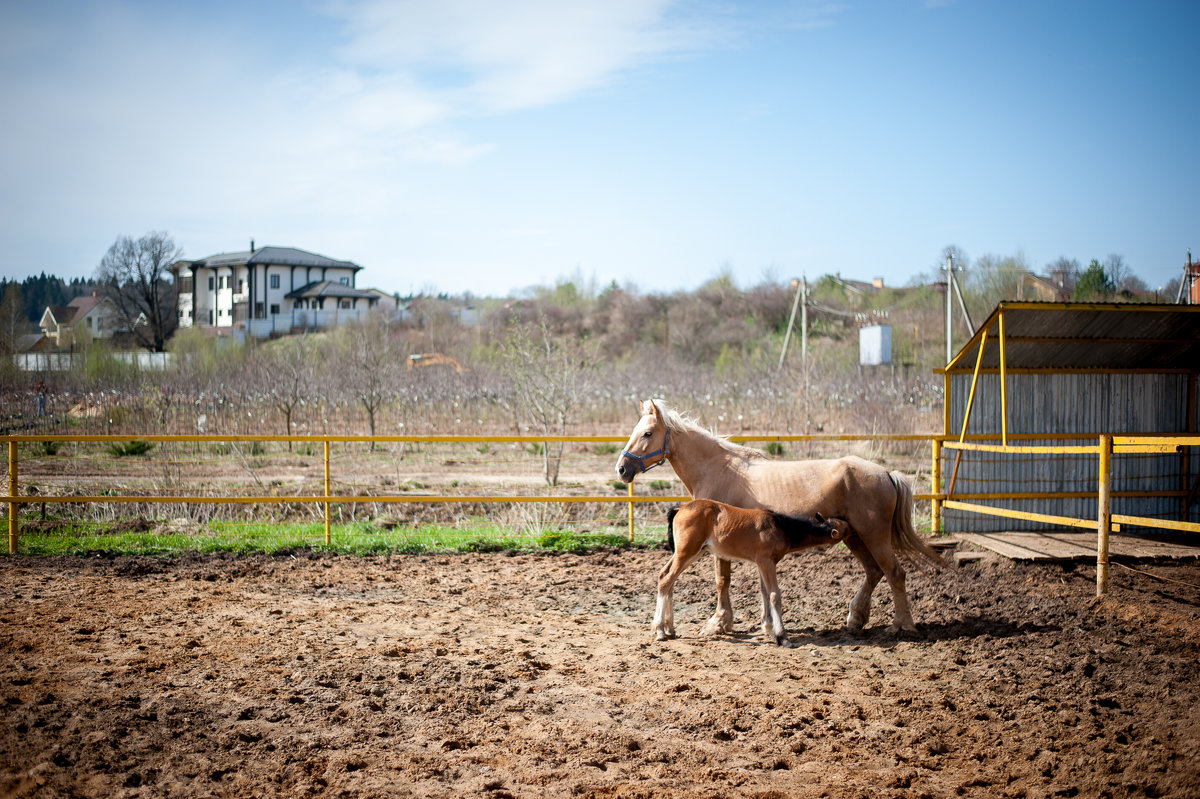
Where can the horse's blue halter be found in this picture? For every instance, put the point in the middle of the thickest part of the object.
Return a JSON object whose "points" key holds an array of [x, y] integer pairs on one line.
{"points": [[641, 459]]}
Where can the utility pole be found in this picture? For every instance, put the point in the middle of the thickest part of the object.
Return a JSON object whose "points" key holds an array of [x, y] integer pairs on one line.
{"points": [[949, 308], [800, 287], [804, 320]]}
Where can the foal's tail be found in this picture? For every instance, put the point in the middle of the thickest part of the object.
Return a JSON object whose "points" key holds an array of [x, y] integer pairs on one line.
{"points": [[905, 538], [671, 528]]}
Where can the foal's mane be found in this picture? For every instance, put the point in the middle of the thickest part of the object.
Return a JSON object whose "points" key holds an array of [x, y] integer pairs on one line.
{"points": [[677, 422]]}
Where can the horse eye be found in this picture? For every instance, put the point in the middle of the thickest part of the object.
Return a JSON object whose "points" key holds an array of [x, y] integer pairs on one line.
{"points": [[646, 434]]}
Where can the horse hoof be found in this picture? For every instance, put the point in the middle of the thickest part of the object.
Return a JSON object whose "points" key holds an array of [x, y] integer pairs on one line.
{"points": [[784, 642], [896, 629]]}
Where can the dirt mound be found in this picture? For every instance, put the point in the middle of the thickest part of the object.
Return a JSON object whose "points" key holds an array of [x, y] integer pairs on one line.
{"points": [[536, 675]]}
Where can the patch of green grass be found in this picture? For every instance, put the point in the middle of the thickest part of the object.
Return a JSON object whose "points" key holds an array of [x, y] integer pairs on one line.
{"points": [[356, 538], [775, 449], [619, 486], [660, 485], [606, 449]]}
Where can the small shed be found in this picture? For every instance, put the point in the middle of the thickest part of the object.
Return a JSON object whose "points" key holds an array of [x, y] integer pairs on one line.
{"points": [[1037, 376]]}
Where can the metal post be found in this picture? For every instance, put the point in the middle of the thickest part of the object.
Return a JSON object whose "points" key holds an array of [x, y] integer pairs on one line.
{"points": [[1003, 384], [935, 480], [631, 512], [804, 320], [13, 492], [949, 309], [1104, 515], [328, 525]]}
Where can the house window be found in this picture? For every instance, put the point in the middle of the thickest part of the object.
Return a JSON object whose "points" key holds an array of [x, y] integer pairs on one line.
{"points": [[344, 304], [274, 281], [345, 281], [297, 303], [210, 318], [274, 310], [241, 286], [210, 283]]}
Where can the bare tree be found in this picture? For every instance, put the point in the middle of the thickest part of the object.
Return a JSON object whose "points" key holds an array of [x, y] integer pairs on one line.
{"points": [[137, 278], [287, 373], [368, 363], [12, 318], [550, 376]]}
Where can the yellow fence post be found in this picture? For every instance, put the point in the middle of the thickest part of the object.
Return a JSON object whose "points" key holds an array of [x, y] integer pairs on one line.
{"points": [[1104, 517], [631, 512], [13, 492], [935, 488], [328, 524]]}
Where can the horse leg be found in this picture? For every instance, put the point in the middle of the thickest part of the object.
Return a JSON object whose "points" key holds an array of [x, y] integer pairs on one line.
{"points": [[860, 605], [664, 609], [887, 561], [722, 620], [772, 620]]}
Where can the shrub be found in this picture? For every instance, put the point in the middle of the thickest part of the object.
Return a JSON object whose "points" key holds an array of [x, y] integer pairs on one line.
{"points": [[119, 450], [774, 448]]}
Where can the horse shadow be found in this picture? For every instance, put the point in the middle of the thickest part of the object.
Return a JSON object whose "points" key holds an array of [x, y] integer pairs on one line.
{"points": [[966, 628]]}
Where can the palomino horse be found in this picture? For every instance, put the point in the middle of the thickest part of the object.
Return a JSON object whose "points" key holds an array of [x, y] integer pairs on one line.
{"points": [[759, 536], [876, 503]]}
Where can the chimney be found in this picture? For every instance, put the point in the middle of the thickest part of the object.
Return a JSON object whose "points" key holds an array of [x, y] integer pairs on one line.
{"points": [[251, 246]]}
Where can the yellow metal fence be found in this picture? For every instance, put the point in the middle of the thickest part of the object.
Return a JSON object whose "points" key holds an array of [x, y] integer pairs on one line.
{"points": [[327, 498], [942, 494]]}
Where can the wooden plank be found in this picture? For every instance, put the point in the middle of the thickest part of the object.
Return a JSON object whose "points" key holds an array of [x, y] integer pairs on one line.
{"points": [[1066, 545]]}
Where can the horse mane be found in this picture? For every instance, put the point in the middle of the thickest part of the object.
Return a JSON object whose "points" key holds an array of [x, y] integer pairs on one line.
{"points": [[677, 421]]}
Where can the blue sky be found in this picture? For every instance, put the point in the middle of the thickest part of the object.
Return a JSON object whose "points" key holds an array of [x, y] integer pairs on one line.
{"points": [[486, 147]]}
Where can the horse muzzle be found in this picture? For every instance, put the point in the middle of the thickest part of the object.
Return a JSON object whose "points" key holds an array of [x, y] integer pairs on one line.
{"points": [[626, 469]]}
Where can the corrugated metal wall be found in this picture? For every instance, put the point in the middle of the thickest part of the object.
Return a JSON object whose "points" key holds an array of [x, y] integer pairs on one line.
{"points": [[1067, 403]]}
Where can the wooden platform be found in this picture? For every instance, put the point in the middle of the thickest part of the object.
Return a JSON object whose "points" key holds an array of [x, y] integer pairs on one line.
{"points": [[1075, 546]]}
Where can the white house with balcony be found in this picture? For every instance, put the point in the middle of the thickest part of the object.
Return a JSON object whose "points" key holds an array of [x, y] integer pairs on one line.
{"points": [[269, 291]]}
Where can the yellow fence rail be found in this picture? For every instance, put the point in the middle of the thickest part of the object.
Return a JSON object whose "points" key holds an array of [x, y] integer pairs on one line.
{"points": [[328, 499], [1105, 522], [941, 497]]}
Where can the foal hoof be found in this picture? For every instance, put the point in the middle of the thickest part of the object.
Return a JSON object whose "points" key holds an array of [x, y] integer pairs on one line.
{"points": [[662, 635]]}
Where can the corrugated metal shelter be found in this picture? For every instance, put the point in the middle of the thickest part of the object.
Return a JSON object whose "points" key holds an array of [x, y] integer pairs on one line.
{"points": [[1062, 374]]}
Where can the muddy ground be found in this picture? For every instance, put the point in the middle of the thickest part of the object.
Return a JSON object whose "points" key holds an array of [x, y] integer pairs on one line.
{"points": [[535, 675]]}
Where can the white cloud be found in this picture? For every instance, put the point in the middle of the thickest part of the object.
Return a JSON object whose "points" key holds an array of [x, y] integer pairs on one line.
{"points": [[484, 56]]}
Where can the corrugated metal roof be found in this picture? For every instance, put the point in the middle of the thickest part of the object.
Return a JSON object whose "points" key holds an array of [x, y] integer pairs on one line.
{"points": [[1066, 336]]}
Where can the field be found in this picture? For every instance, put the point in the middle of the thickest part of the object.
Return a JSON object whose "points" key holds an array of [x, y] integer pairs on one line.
{"points": [[442, 675]]}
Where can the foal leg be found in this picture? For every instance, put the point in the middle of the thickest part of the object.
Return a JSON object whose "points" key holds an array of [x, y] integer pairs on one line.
{"points": [[860, 605], [772, 620], [664, 609], [722, 620]]}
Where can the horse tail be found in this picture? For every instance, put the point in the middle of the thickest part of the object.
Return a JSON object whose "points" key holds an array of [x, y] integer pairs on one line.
{"points": [[671, 528], [905, 538]]}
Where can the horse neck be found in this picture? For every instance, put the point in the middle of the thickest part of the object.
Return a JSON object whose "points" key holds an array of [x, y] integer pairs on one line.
{"points": [[697, 458]]}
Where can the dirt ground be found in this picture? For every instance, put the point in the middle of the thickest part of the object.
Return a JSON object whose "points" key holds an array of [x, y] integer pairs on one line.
{"points": [[536, 675]]}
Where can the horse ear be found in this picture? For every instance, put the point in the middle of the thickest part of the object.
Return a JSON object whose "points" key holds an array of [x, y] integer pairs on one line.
{"points": [[819, 518], [650, 409]]}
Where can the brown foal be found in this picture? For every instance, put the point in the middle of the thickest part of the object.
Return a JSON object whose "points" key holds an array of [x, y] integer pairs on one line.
{"points": [[761, 537]]}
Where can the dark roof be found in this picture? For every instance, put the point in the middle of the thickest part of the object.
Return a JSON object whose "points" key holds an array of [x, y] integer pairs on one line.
{"points": [[328, 288], [1055, 336], [279, 256]]}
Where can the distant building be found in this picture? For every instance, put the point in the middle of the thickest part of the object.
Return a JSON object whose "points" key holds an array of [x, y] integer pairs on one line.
{"points": [[269, 291], [82, 319]]}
